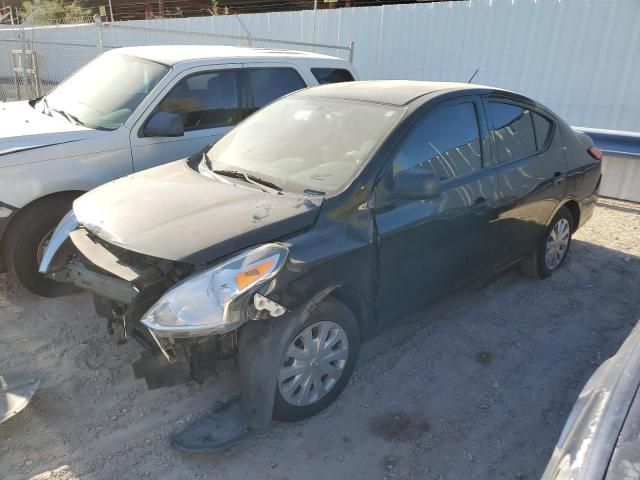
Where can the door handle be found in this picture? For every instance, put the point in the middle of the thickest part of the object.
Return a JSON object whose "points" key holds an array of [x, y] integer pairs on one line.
{"points": [[481, 205], [558, 177]]}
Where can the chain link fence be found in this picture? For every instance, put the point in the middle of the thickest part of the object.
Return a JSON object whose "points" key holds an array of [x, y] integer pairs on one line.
{"points": [[34, 59]]}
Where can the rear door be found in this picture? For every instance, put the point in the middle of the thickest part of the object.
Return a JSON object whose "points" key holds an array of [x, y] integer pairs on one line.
{"points": [[429, 247], [267, 82], [210, 103], [531, 172]]}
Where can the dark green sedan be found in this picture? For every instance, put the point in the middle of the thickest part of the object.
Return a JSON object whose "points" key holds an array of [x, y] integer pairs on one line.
{"points": [[319, 221]]}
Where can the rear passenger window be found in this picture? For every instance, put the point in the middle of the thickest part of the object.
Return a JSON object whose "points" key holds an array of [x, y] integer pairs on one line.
{"points": [[331, 75], [513, 131], [267, 84], [445, 141], [542, 126], [205, 100]]}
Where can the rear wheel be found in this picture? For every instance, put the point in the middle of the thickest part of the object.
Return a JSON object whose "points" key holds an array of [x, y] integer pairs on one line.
{"points": [[317, 363], [553, 248], [26, 240]]}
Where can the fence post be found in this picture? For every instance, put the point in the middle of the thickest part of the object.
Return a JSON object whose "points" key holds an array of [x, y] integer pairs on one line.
{"points": [[23, 61], [246, 30], [351, 47], [98, 22]]}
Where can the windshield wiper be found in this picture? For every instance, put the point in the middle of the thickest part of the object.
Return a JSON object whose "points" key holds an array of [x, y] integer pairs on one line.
{"points": [[72, 118], [249, 178], [43, 99]]}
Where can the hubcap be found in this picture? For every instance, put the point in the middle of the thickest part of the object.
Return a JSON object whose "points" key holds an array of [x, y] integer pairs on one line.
{"points": [[557, 244], [313, 363]]}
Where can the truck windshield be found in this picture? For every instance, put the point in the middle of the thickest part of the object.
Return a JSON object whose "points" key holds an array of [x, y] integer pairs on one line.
{"points": [[105, 92], [306, 144]]}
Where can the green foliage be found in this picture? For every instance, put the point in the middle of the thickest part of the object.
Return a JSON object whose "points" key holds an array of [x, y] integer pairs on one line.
{"points": [[217, 10], [53, 11]]}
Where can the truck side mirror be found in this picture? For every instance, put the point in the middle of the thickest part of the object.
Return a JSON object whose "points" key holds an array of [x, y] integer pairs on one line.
{"points": [[416, 184], [164, 124]]}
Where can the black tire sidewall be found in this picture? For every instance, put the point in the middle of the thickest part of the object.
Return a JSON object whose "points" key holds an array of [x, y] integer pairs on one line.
{"points": [[23, 241], [542, 267], [329, 310]]}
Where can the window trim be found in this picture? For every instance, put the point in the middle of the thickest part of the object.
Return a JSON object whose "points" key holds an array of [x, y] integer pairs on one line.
{"points": [[486, 99], [485, 157], [250, 107], [238, 117]]}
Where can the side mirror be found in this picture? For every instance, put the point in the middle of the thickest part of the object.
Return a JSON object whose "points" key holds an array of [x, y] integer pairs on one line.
{"points": [[164, 124], [416, 184]]}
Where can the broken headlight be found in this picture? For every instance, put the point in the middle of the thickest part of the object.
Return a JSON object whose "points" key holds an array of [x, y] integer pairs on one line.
{"points": [[203, 304]]}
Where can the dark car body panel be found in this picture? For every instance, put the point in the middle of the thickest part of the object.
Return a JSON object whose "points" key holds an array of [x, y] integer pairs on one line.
{"points": [[186, 216], [531, 188]]}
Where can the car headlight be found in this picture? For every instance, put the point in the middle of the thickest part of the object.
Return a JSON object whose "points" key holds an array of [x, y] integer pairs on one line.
{"points": [[204, 303]]}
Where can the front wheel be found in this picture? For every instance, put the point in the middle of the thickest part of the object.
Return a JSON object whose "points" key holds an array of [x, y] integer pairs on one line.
{"points": [[552, 250], [26, 240], [317, 363]]}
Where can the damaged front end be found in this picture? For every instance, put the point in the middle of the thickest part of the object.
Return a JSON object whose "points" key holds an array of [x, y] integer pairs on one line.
{"points": [[187, 320]]}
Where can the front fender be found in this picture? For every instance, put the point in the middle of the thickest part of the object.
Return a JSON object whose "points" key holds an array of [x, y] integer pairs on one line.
{"points": [[262, 344], [22, 184]]}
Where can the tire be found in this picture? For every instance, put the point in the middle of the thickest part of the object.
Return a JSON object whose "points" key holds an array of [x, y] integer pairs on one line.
{"points": [[329, 312], [535, 265], [23, 240]]}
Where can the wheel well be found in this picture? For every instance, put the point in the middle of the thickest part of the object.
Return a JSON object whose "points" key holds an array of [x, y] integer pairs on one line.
{"points": [[71, 194], [355, 302], [574, 208]]}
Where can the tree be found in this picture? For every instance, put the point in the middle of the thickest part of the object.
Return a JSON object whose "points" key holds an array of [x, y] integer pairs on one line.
{"points": [[53, 11]]}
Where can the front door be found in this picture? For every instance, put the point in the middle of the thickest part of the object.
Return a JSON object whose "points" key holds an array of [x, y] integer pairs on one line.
{"points": [[429, 247], [207, 100]]}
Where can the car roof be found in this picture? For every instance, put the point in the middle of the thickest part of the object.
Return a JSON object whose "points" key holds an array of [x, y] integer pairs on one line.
{"points": [[391, 92], [174, 54]]}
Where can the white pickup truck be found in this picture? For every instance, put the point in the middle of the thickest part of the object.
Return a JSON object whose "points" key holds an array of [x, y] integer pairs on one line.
{"points": [[128, 110]]}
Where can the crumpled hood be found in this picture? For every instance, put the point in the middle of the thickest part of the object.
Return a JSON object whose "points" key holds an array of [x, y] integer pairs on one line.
{"points": [[25, 128], [175, 213]]}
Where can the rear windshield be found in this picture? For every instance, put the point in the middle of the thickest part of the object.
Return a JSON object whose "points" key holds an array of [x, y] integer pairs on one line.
{"points": [[316, 144]]}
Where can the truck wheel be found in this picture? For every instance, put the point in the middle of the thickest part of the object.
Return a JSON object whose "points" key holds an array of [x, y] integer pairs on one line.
{"points": [[553, 248], [317, 363], [25, 241]]}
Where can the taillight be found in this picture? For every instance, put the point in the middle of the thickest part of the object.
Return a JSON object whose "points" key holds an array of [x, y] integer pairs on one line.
{"points": [[595, 152]]}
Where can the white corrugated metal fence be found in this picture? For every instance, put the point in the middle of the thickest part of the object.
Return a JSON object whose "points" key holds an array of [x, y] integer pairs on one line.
{"points": [[579, 57]]}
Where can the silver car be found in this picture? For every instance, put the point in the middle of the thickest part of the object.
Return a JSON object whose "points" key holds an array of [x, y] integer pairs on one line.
{"points": [[128, 110], [601, 439]]}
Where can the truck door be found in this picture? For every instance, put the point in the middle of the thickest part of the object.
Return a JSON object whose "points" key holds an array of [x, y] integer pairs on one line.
{"points": [[209, 102]]}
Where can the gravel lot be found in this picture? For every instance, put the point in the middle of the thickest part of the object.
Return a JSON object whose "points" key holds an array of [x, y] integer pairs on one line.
{"points": [[476, 386]]}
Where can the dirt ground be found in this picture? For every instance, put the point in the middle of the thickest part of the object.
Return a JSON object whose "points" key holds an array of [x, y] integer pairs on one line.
{"points": [[477, 386]]}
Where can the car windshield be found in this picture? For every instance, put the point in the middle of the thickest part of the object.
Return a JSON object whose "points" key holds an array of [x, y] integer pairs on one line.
{"points": [[305, 144], [105, 92]]}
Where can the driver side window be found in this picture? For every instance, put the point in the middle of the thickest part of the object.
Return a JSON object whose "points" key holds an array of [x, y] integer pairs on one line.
{"points": [[204, 100], [445, 141]]}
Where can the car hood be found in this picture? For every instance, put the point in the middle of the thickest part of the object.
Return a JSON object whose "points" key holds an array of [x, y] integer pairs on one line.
{"points": [[175, 213], [25, 128]]}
